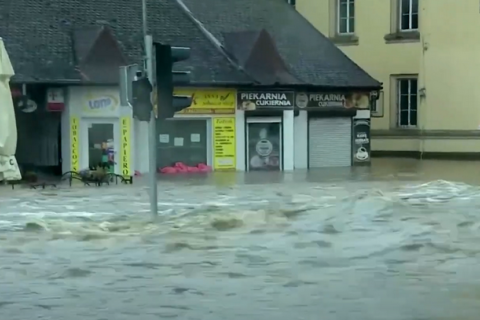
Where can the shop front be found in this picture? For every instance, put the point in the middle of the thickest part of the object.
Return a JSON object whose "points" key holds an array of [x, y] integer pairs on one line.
{"points": [[99, 131], [332, 130], [201, 137], [267, 127]]}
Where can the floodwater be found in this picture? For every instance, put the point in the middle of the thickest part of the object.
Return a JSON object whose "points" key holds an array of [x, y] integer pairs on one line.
{"points": [[397, 241]]}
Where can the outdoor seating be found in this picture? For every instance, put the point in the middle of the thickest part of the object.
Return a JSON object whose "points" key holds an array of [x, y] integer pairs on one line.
{"points": [[97, 176]]}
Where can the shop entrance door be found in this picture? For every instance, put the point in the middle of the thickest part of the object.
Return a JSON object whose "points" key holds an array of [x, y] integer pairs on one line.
{"points": [[264, 144], [101, 144]]}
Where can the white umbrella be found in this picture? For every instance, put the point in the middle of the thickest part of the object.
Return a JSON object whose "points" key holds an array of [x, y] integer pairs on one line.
{"points": [[8, 127]]}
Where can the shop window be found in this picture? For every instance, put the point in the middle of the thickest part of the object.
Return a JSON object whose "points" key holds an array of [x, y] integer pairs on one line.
{"points": [[182, 141], [407, 102]]}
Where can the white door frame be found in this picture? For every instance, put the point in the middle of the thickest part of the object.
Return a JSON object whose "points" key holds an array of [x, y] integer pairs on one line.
{"points": [[84, 124], [263, 120]]}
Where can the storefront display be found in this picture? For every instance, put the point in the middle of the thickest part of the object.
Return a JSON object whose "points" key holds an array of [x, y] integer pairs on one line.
{"points": [[328, 121], [201, 136], [269, 129], [264, 146], [100, 130]]}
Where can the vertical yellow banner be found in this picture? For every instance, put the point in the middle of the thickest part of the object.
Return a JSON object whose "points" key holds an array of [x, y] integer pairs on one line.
{"points": [[224, 149], [74, 143], [125, 147]]}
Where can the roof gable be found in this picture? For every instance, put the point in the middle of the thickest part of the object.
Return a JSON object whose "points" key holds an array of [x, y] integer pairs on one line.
{"points": [[256, 53], [98, 54]]}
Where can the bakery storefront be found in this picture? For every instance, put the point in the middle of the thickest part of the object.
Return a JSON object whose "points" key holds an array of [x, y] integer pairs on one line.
{"points": [[201, 136], [96, 130], [267, 129], [332, 129]]}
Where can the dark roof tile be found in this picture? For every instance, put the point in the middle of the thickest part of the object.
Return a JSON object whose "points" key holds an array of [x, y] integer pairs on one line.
{"points": [[312, 57], [38, 36]]}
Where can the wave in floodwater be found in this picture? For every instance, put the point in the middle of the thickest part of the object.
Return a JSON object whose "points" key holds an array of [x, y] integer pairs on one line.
{"points": [[389, 251]]}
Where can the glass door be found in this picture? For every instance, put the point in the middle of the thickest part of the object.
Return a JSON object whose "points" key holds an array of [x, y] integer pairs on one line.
{"points": [[102, 149], [264, 146]]}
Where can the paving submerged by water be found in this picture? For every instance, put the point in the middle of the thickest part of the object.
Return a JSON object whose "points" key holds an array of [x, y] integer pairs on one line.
{"points": [[252, 251]]}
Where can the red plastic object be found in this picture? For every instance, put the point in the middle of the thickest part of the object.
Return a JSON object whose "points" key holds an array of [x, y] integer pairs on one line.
{"points": [[181, 167], [168, 170], [193, 169], [202, 167]]}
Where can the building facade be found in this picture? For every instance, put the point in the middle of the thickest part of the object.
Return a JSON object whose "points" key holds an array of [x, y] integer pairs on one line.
{"points": [[287, 130], [429, 102]]}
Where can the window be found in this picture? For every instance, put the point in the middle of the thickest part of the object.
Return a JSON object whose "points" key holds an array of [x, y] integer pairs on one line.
{"points": [[408, 11], [407, 103], [346, 17]]}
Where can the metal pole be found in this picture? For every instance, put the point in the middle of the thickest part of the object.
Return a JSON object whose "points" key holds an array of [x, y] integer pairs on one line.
{"points": [[152, 130]]}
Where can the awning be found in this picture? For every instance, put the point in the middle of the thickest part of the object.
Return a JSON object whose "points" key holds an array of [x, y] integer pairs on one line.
{"points": [[8, 127]]}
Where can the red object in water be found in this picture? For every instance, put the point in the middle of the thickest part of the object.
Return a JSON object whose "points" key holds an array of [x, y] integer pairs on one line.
{"points": [[202, 167], [168, 170], [181, 167], [193, 169]]}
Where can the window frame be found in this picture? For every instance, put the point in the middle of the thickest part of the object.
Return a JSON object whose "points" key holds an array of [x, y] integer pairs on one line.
{"points": [[410, 16], [347, 18], [398, 97]]}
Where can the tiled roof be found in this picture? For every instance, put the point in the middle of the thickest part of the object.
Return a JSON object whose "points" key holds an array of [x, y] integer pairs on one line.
{"points": [[312, 57], [39, 38]]}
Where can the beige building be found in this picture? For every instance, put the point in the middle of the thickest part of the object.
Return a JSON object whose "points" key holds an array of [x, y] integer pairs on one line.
{"points": [[427, 54]]}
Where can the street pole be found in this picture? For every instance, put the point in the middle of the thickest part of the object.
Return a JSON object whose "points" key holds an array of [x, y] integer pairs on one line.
{"points": [[152, 130]]}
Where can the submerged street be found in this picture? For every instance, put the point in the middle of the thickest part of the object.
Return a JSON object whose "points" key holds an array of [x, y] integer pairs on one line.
{"points": [[399, 240]]}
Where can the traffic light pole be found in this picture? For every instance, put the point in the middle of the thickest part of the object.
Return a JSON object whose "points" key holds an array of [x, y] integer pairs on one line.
{"points": [[152, 130]]}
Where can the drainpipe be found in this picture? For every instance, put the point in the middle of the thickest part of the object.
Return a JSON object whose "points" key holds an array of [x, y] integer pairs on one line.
{"points": [[422, 91]]}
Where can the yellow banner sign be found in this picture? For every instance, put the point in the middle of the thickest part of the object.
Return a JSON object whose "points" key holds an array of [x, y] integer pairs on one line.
{"points": [[125, 151], [205, 101], [74, 144], [224, 153]]}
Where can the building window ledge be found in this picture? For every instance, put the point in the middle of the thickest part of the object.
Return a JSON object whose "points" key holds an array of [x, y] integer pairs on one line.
{"points": [[345, 40], [399, 36]]}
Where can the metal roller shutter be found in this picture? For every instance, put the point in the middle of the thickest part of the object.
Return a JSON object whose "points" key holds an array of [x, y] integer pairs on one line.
{"points": [[330, 142]]}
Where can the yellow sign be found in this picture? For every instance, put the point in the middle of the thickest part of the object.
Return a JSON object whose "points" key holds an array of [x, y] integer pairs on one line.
{"points": [[125, 153], [74, 143], [224, 157], [100, 103], [206, 101]]}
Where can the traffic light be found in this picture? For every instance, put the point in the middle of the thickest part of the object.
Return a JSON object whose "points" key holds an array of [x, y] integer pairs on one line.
{"points": [[141, 99], [165, 57]]}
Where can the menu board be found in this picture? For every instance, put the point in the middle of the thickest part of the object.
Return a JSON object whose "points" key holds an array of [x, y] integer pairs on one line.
{"points": [[224, 144]]}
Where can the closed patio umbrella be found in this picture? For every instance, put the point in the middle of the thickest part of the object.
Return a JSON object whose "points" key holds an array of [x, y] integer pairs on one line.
{"points": [[8, 127]]}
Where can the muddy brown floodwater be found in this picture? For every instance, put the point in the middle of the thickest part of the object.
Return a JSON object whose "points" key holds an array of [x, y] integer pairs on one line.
{"points": [[397, 241]]}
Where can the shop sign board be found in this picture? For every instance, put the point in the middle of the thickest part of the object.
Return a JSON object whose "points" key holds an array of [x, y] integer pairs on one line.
{"points": [[100, 104], [74, 143], [125, 151], [317, 100], [361, 141], [224, 148], [265, 100], [206, 101]]}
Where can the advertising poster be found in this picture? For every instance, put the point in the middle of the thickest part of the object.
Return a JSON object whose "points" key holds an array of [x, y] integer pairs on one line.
{"points": [[361, 141], [75, 144], [224, 150], [125, 152], [264, 147]]}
